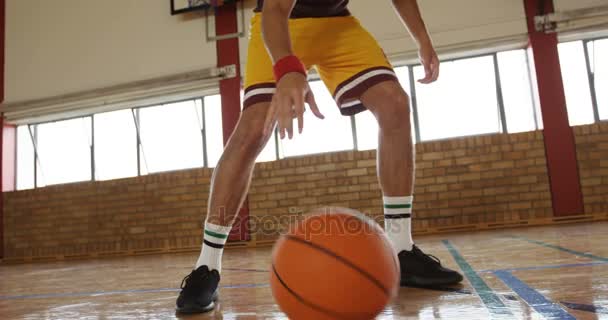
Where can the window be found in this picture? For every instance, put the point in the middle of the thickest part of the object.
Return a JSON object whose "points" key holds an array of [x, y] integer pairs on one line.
{"points": [[598, 51], [576, 83], [115, 145], [516, 91], [461, 103], [213, 129], [25, 159], [64, 150], [334, 133], [171, 137], [189, 134]]}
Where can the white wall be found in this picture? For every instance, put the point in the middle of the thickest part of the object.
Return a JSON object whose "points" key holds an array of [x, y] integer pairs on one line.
{"points": [[64, 46], [451, 23], [564, 5]]}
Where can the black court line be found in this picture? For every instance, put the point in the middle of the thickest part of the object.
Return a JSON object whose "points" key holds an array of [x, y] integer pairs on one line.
{"points": [[117, 292], [245, 270], [560, 248], [556, 266], [586, 307]]}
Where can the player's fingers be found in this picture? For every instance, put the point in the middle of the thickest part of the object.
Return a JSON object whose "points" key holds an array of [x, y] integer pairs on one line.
{"points": [[285, 116], [281, 124], [288, 125], [310, 99], [435, 68], [428, 73], [298, 105]]}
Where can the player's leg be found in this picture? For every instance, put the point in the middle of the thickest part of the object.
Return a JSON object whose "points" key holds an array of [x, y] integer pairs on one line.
{"points": [[231, 178], [395, 157], [229, 186], [359, 75]]}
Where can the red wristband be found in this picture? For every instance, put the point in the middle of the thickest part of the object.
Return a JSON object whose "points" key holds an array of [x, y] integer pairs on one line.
{"points": [[286, 65]]}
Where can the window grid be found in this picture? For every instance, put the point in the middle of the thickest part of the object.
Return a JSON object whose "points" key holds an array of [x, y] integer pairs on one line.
{"points": [[92, 146], [591, 76], [33, 128], [204, 134], [414, 102], [499, 97], [535, 105]]}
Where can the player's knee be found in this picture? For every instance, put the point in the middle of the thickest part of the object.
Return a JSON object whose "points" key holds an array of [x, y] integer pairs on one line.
{"points": [[253, 140], [395, 113]]}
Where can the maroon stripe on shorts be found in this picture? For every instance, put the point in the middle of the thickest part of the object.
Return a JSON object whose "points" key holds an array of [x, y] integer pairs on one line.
{"points": [[357, 91], [258, 98], [353, 78], [264, 85], [353, 110]]}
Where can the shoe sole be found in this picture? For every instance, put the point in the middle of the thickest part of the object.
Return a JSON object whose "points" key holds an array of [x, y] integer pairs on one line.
{"points": [[197, 309], [414, 281]]}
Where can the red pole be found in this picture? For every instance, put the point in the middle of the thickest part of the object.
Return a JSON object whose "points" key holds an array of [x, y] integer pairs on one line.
{"points": [[2, 49], [230, 90], [560, 146]]}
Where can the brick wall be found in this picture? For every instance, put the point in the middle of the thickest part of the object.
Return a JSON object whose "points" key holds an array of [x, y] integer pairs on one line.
{"points": [[592, 154], [148, 212], [498, 178]]}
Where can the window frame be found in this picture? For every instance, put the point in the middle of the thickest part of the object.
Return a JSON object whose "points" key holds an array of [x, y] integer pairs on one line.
{"points": [[34, 132], [139, 149], [591, 77], [499, 97]]}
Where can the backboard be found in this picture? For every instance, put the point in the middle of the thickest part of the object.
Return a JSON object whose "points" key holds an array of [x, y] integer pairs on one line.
{"points": [[181, 6]]}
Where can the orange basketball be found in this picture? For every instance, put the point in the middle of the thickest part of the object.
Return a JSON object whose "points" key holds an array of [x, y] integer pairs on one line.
{"points": [[334, 264]]}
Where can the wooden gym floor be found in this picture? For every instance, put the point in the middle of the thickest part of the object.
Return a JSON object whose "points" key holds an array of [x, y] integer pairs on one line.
{"points": [[553, 272]]}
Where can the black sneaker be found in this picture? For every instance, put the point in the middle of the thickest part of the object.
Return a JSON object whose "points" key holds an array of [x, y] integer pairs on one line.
{"points": [[419, 269], [199, 291]]}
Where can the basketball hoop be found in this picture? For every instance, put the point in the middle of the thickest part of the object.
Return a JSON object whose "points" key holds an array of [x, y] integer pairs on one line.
{"points": [[182, 6]]}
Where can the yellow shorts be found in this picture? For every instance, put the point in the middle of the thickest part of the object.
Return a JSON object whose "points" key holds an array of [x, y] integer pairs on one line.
{"points": [[346, 56]]}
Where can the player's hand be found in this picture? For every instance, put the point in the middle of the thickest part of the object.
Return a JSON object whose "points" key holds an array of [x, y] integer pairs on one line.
{"points": [[288, 103], [430, 61]]}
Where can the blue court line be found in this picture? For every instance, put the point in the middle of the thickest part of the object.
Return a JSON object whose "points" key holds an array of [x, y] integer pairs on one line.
{"points": [[552, 246], [557, 266], [105, 293], [492, 302], [585, 307], [535, 299]]}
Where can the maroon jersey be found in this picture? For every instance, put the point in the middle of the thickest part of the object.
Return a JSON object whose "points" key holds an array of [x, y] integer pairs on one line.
{"points": [[315, 8]]}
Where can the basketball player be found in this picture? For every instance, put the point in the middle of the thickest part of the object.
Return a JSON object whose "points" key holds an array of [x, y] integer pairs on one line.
{"points": [[287, 38]]}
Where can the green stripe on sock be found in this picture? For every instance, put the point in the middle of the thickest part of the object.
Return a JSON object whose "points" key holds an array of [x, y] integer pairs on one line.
{"points": [[215, 234], [398, 206]]}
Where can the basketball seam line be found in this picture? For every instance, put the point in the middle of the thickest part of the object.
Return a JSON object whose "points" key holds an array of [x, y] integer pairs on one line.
{"points": [[344, 261], [304, 301]]}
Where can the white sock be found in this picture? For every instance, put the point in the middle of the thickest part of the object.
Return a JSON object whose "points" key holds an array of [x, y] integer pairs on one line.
{"points": [[398, 221], [214, 240]]}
